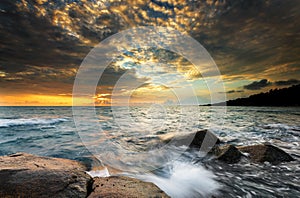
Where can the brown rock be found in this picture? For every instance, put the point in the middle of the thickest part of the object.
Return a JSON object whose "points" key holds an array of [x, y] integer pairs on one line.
{"points": [[203, 139], [26, 175], [266, 153], [228, 153], [120, 186]]}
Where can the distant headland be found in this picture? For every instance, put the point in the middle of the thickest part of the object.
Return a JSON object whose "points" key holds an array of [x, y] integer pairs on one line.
{"points": [[275, 97]]}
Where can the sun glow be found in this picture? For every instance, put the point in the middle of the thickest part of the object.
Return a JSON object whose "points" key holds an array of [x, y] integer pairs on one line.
{"points": [[35, 100]]}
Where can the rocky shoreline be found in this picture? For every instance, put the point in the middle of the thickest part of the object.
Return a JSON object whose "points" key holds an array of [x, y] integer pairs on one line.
{"points": [[26, 175]]}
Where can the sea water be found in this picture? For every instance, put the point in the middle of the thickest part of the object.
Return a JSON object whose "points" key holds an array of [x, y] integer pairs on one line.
{"points": [[51, 131]]}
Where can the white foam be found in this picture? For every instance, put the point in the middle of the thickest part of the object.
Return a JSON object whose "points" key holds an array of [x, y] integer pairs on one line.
{"points": [[99, 173], [278, 125], [182, 180], [185, 180], [30, 121]]}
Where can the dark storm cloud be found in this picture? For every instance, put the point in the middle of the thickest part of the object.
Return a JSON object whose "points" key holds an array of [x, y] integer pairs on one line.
{"points": [[287, 82], [233, 91], [31, 40], [254, 36], [35, 51], [257, 85], [36, 80]]}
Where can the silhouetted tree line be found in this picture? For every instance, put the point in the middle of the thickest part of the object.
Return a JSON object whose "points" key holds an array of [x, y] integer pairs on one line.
{"points": [[275, 97]]}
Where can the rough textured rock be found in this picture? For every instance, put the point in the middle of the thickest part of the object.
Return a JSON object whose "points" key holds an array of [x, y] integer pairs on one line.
{"points": [[26, 175], [228, 153], [120, 186], [194, 140], [266, 153]]}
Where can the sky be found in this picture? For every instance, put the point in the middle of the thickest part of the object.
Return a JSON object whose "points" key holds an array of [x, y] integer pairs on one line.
{"points": [[254, 43]]}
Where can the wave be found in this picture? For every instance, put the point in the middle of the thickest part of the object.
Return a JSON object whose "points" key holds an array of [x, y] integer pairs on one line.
{"points": [[280, 126], [183, 180], [30, 121], [179, 179]]}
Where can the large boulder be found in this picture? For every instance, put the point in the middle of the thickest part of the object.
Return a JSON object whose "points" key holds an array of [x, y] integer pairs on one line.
{"points": [[227, 153], [120, 186], [266, 153], [203, 139], [26, 175]]}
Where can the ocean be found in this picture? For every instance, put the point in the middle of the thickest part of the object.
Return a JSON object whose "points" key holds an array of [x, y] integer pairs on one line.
{"points": [[132, 132]]}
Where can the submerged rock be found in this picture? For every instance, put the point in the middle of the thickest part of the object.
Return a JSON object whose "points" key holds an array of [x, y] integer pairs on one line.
{"points": [[120, 186], [266, 153], [228, 153], [203, 139], [26, 175]]}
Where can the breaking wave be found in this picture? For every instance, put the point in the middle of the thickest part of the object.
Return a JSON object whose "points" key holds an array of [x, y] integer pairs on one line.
{"points": [[30, 121]]}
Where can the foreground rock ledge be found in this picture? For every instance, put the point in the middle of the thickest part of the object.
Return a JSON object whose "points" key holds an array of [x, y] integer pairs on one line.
{"points": [[120, 186], [26, 175]]}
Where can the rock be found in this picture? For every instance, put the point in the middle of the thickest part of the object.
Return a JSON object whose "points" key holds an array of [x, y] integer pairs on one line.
{"points": [[26, 175], [120, 186], [194, 140], [266, 153], [228, 153]]}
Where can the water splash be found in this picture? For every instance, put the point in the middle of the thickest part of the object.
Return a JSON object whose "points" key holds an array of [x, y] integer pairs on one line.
{"points": [[184, 179], [99, 173]]}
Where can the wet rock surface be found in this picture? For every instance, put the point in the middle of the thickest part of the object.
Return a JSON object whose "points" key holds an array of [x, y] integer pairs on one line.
{"points": [[26, 175], [120, 186], [210, 143], [254, 153], [228, 153], [266, 153], [203, 139]]}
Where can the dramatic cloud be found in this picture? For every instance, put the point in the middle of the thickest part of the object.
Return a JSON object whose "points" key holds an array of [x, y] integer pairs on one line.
{"points": [[257, 85], [287, 82], [43, 42]]}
